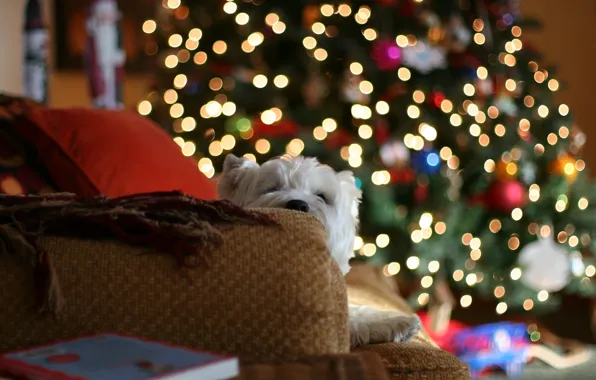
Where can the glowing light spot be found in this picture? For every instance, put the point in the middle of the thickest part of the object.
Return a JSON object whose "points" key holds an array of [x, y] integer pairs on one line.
{"points": [[356, 68], [176, 110], [171, 61], [271, 19], [262, 146], [413, 112], [259, 81], [256, 38], [513, 243], [309, 42], [542, 296], [553, 85], [382, 240], [382, 107], [319, 133], [516, 274], [220, 47], [295, 147], [175, 40], [228, 142], [279, 27], [365, 131], [329, 125], [404, 74], [229, 108], [440, 228], [200, 58], [465, 300], [501, 308], [543, 111], [455, 120], [418, 96], [370, 34], [321, 54], [458, 275], [393, 268], [426, 282], [471, 279], [230, 7], [446, 106], [366, 87], [369, 250], [149, 26], [188, 124], [413, 262], [318, 28], [242, 18], [479, 38], [215, 148]]}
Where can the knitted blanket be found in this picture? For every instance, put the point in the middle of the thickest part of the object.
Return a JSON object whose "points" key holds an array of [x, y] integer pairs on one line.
{"points": [[169, 222]]}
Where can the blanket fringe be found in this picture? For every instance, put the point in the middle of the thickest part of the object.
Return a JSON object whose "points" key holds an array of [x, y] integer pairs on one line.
{"points": [[169, 222]]}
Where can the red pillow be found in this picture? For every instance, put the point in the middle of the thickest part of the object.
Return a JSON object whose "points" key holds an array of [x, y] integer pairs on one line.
{"points": [[90, 152]]}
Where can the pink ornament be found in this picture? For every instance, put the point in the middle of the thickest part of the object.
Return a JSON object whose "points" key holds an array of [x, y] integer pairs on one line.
{"points": [[386, 54], [504, 196]]}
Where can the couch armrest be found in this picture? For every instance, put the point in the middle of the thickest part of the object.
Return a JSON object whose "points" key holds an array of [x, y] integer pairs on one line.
{"points": [[359, 366], [419, 358], [268, 293]]}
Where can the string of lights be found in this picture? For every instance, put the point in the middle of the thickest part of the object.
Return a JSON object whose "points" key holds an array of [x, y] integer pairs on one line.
{"points": [[470, 169]]}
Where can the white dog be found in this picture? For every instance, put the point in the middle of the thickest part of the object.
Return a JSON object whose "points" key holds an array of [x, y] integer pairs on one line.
{"points": [[302, 184]]}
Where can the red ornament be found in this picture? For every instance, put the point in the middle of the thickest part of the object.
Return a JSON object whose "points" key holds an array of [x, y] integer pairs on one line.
{"points": [[420, 194], [505, 196], [338, 138], [386, 54], [283, 128], [381, 132], [437, 98], [403, 176]]}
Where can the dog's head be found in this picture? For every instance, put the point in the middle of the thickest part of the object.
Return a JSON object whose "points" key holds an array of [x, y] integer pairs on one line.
{"points": [[300, 184]]}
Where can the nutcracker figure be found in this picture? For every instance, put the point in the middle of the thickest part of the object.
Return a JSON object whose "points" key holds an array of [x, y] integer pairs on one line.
{"points": [[35, 75], [104, 54]]}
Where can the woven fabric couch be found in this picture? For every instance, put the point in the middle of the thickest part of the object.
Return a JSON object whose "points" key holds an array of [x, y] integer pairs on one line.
{"points": [[269, 294]]}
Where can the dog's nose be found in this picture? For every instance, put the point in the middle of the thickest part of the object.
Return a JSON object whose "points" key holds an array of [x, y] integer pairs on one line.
{"points": [[298, 205]]}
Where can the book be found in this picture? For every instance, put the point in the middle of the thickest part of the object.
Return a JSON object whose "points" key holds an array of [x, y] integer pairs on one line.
{"points": [[115, 356]]}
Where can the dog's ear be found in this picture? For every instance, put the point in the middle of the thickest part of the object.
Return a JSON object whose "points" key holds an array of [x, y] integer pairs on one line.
{"points": [[234, 169], [348, 184]]}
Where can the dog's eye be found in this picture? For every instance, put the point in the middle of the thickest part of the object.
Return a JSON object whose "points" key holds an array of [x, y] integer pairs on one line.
{"points": [[271, 190], [323, 197]]}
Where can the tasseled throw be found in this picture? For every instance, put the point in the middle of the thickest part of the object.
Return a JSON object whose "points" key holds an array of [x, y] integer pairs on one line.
{"points": [[169, 222]]}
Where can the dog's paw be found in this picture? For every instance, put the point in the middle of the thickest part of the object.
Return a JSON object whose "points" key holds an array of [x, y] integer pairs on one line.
{"points": [[390, 327]]}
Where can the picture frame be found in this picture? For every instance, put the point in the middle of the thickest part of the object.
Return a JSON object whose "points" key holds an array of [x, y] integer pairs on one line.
{"points": [[71, 34]]}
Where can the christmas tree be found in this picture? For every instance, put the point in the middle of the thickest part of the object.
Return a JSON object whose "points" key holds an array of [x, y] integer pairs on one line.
{"points": [[470, 171]]}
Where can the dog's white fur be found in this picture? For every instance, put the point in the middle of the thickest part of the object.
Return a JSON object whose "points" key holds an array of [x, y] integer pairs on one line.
{"points": [[303, 184]]}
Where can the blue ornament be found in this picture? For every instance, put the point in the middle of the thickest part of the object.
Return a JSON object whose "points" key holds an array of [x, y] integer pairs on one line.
{"points": [[427, 161], [191, 88], [358, 182]]}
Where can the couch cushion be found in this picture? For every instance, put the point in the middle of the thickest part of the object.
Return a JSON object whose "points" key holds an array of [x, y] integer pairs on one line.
{"points": [[267, 293], [115, 153]]}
